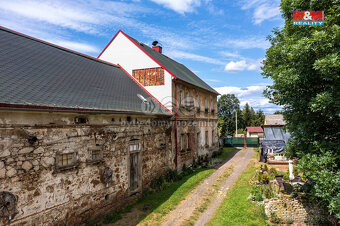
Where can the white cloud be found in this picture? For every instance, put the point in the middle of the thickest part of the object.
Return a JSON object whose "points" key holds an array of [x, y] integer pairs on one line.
{"points": [[194, 57], [180, 6], [77, 46], [262, 9], [242, 66], [79, 15], [246, 43], [230, 54], [253, 95], [53, 20]]}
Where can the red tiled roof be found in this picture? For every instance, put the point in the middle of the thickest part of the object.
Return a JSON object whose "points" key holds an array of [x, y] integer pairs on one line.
{"points": [[255, 129]]}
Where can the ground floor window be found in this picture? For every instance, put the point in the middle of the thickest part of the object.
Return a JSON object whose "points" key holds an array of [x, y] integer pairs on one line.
{"points": [[206, 138]]}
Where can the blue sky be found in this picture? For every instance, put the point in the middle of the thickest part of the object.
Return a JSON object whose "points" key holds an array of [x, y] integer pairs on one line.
{"points": [[223, 41]]}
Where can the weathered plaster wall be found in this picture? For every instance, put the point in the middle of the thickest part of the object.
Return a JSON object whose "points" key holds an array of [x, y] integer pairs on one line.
{"points": [[195, 121], [47, 196]]}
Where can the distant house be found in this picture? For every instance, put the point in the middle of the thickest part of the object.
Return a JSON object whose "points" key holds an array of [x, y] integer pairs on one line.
{"points": [[274, 120], [273, 128], [254, 131]]}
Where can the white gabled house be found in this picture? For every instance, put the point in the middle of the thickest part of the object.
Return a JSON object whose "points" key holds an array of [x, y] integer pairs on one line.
{"points": [[126, 52], [192, 102]]}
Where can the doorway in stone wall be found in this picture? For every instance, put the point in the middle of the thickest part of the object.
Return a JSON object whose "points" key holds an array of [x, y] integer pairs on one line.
{"points": [[134, 174], [198, 140]]}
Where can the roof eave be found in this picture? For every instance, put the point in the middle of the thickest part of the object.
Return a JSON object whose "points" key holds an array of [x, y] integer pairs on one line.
{"points": [[41, 108]]}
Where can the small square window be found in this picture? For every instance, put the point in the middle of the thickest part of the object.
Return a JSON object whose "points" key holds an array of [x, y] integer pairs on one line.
{"points": [[96, 154], [66, 159], [80, 120]]}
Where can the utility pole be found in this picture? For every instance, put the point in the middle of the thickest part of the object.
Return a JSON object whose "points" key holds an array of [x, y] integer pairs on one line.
{"points": [[236, 120]]}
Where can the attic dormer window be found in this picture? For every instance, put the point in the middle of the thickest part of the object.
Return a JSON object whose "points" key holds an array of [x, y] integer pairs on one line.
{"points": [[149, 76]]}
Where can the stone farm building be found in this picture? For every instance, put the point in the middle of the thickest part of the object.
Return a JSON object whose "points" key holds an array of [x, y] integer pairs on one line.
{"points": [[80, 136]]}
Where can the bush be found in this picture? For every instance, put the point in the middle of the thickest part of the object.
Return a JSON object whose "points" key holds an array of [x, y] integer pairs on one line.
{"points": [[273, 171], [289, 221], [265, 168], [274, 218], [112, 218], [158, 184], [172, 176], [256, 193], [269, 191]]}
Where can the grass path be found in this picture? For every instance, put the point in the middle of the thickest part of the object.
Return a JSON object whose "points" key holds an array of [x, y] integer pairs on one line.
{"points": [[186, 212], [160, 204], [176, 194], [239, 164], [236, 209]]}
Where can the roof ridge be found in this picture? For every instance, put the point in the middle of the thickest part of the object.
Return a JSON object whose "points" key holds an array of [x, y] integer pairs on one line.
{"points": [[56, 46]]}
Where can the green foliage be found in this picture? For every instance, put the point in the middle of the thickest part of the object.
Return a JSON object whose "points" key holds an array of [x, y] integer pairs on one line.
{"points": [[162, 202], [112, 218], [324, 175], [274, 218], [226, 106], [273, 171], [304, 64], [289, 221], [172, 176], [256, 193], [158, 184]]}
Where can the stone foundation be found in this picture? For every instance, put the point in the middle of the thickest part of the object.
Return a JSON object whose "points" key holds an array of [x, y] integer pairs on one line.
{"points": [[296, 210]]}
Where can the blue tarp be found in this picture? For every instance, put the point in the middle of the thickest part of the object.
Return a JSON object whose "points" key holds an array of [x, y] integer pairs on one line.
{"points": [[278, 147], [276, 133]]}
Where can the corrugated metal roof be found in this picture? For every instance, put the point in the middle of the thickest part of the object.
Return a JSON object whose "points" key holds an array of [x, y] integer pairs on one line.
{"points": [[178, 69], [37, 73]]}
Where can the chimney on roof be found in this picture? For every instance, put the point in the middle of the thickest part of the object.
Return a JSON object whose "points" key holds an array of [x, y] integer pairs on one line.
{"points": [[156, 46]]}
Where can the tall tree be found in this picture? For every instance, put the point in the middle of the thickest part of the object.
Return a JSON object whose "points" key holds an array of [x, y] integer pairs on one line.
{"points": [[247, 115], [304, 64], [227, 105], [259, 118]]}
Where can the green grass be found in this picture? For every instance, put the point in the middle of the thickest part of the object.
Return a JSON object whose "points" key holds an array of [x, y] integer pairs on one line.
{"points": [[164, 201], [236, 209], [226, 152]]}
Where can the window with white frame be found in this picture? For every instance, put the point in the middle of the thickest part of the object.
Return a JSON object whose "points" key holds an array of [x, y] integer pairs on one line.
{"points": [[206, 103], [197, 100], [211, 103], [182, 141], [181, 98]]}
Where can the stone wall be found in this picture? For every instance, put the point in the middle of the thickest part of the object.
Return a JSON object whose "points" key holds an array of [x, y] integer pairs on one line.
{"points": [[296, 210], [49, 195]]}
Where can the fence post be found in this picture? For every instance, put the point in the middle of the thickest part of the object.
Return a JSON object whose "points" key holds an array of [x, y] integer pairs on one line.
{"points": [[245, 142]]}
